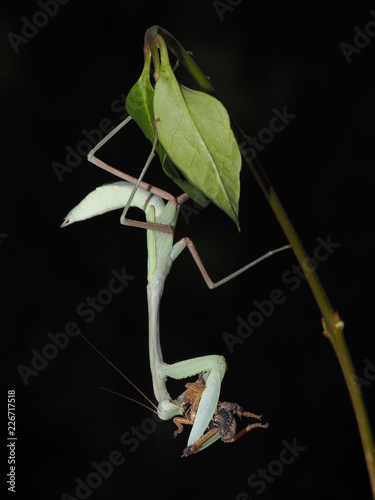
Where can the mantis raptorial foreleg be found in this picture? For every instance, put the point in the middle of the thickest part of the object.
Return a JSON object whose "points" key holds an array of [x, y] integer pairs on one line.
{"points": [[161, 254]]}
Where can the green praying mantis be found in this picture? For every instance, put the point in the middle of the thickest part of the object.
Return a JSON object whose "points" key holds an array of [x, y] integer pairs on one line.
{"points": [[191, 130]]}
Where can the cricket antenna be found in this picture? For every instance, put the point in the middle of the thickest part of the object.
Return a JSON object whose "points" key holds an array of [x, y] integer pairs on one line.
{"points": [[154, 407]]}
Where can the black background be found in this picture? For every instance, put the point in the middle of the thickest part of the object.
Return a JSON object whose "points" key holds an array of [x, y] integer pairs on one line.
{"points": [[261, 56]]}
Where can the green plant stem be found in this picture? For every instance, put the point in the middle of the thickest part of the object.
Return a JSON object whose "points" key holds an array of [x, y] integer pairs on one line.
{"points": [[184, 57], [333, 326]]}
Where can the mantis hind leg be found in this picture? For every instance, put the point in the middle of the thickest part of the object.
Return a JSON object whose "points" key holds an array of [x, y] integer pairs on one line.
{"points": [[187, 243], [133, 180]]}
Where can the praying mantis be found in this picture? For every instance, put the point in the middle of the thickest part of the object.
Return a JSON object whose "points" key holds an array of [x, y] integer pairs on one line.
{"points": [[195, 136], [199, 406]]}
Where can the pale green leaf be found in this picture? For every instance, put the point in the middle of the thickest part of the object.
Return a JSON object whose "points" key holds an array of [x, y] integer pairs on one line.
{"points": [[194, 129]]}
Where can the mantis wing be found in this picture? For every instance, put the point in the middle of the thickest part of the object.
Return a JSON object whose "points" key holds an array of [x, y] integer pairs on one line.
{"points": [[112, 197]]}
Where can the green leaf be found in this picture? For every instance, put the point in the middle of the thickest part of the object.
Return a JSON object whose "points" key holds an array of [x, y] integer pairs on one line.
{"points": [[139, 105], [139, 101], [194, 129]]}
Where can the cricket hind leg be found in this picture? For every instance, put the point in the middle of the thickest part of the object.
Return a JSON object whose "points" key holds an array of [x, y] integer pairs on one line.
{"points": [[203, 442], [248, 428]]}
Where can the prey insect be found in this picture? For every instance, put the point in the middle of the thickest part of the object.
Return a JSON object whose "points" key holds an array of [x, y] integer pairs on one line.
{"points": [[223, 421], [161, 254]]}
